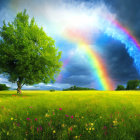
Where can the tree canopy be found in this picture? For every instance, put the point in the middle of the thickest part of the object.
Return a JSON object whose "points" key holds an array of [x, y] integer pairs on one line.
{"points": [[120, 87], [3, 87], [133, 84], [27, 54]]}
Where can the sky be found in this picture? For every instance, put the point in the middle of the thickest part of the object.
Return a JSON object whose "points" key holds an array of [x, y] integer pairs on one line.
{"points": [[84, 33]]}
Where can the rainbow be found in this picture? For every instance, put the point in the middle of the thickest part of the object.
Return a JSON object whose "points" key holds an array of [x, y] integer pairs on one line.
{"points": [[114, 29], [96, 63], [126, 31], [105, 23], [98, 67]]}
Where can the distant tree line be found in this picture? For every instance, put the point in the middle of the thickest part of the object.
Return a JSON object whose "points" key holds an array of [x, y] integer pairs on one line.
{"points": [[131, 85], [78, 88]]}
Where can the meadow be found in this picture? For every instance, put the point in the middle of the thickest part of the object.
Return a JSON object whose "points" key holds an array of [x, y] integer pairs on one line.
{"points": [[68, 115]]}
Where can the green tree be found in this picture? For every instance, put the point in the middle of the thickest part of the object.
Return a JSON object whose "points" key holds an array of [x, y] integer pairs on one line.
{"points": [[120, 87], [3, 87], [27, 55], [133, 84]]}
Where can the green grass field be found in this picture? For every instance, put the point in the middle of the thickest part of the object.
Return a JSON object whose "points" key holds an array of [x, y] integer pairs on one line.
{"points": [[59, 115]]}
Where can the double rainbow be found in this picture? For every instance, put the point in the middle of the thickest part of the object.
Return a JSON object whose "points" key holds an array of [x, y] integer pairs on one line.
{"points": [[114, 29], [111, 27]]}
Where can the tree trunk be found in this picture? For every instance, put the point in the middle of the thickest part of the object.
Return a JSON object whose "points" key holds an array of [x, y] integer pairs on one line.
{"points": [[19, 87]]}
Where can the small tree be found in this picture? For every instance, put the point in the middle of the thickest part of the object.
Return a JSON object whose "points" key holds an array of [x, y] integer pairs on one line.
{"points": [[27, 55], [3, 87], [120, 87], [133, 84]]}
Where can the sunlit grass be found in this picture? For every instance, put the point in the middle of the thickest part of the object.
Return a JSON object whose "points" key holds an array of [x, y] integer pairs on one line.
{"points": [[86, 115]]}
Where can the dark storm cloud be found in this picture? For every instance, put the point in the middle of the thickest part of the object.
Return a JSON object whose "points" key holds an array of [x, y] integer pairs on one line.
{"points": [[78, 80], [120, 64], [77, 73], [128, 12], [78, 69]]}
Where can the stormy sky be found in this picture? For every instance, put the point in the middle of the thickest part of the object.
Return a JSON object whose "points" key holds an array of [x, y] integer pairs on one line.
{"points": [[77, 71]]}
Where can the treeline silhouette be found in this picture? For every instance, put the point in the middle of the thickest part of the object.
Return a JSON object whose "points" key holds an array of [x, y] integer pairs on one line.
{"points": [[131, 85], [78, 88]]}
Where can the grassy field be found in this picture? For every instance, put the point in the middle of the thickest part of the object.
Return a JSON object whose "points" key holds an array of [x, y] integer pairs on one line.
{"points": [[59, 115]]}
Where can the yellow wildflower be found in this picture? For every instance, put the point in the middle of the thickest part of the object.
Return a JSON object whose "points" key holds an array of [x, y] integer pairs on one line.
{"points": [[100, 117], [115, 122], [63, 125], [89, 128], [76, 137], [47, 115], [74, 126], [91, 124], [70, 129], [12, 118], [93, 128], [54, 131]]}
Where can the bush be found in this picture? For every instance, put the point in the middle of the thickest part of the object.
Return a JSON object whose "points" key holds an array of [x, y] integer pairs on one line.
{"points": [[52, 90], [120, 87], [4, 87]]}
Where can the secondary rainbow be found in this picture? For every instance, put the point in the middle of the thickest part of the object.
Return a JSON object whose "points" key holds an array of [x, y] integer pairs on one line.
{"points": [[126, 31], [111, 27]]}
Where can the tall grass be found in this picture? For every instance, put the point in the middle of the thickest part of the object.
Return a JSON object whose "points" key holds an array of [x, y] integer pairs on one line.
{"points": [[67, 115]]}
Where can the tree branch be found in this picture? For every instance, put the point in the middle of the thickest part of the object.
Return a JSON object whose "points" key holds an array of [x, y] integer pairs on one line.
{"points": [[22, 84]]}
